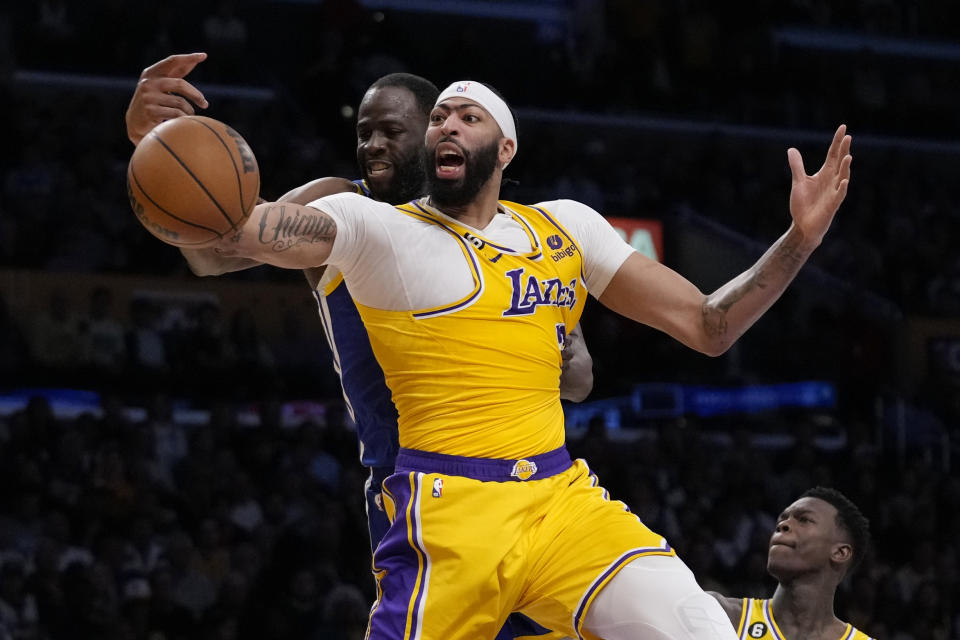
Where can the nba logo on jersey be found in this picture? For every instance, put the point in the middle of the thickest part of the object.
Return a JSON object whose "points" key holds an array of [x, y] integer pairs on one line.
{"points": [[438, 487], [523, 469]]}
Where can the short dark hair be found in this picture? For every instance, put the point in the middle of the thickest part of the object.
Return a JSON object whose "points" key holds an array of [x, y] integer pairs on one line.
{"points": [[849, 518], [424, 91]]}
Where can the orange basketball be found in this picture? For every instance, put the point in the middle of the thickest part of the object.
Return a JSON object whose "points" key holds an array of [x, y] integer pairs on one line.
{"points": [[192, 180]]}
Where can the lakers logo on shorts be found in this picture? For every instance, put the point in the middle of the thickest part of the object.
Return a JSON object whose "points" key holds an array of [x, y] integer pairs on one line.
{"points": [[523, 469]]}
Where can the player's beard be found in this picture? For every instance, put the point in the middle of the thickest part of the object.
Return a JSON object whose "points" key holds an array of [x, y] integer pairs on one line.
{"points": [[478, 169], [408, 182]]}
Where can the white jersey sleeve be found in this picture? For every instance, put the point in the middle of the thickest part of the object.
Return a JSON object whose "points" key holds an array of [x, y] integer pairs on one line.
{"points": [[604, 251], [384, 254]]}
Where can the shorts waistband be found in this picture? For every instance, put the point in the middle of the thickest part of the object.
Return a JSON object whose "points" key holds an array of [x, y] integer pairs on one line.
{"points": [[536, 467]]}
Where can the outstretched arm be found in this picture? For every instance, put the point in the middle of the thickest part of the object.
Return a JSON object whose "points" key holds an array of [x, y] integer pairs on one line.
{"points": [[216, 261], [155, 100], [653, 294], [283, 234], [576, 376]]}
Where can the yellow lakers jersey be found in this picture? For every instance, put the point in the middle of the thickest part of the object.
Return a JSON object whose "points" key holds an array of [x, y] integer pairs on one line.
{"points": [[757, 623], [479, 377]]}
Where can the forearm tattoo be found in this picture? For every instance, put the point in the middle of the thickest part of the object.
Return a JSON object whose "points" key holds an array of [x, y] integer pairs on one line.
{"points": [[283, 230], [774, 270]]}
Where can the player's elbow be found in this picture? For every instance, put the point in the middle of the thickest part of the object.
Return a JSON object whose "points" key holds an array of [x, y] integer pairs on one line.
{"points": [[577, 383], [715, 348], [578, 393], [204, 271]]}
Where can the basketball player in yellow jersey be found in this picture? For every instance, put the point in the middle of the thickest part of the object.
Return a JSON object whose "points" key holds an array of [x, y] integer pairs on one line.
{"points": [[819, 540], [466, 300]]}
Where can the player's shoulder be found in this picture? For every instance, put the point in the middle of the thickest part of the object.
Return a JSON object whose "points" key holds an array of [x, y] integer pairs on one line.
{"points": [[565, 206], [350, 200]]}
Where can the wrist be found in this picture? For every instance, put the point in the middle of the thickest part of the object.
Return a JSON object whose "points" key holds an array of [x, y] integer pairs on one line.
{"points": [[805, 243]]}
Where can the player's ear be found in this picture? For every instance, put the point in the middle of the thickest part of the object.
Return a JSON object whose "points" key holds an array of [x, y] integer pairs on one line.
{"points": [[842, 553], [508, 149]]}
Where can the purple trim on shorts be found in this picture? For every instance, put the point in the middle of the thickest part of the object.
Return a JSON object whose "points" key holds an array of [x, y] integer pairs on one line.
{"points": [[401, 562], [484, 469], [616, 566]]}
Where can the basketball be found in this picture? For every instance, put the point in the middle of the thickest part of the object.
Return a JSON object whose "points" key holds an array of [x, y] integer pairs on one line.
{"points": [[192, 180]]}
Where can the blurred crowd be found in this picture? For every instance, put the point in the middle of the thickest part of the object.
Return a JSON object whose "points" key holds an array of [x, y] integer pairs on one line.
{"points": [[115, 528], [120, 529], [191, 351], [683, 60]]}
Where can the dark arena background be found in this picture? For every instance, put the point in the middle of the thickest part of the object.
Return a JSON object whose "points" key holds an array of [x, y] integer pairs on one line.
{"points": [[176, 460]]}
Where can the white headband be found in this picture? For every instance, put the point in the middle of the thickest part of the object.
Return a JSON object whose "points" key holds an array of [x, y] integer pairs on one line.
{"points": [[491, 102]]}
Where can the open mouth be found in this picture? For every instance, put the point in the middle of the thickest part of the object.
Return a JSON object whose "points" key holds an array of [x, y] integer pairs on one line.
{"points": [[450, 160]]}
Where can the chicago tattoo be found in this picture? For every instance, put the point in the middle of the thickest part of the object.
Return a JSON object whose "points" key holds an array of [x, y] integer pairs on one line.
{"points": [[284, 229]]}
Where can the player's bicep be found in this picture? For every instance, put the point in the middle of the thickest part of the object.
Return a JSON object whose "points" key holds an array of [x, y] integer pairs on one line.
{"points": [[651, 293], [285, 235]]}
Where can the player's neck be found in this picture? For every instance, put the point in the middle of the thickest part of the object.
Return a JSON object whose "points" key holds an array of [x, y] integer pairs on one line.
{"points": [[478, 212], [804, 609]]}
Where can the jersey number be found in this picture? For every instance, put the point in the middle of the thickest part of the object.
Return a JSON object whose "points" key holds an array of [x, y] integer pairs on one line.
{"points": [[758, 630]]}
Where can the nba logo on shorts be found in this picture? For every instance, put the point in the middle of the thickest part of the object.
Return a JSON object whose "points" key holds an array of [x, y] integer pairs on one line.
{"points": [[438, 487], [523, 469]]}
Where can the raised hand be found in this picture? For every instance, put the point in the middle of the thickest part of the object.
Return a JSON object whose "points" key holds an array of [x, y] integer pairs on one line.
{"points": [[814, 200], [160, 94]]}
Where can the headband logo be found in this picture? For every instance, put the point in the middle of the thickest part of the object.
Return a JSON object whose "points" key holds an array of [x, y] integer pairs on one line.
{"points": [[462, 88]]}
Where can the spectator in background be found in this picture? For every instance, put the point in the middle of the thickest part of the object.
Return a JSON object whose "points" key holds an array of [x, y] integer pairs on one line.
{"points": [[168, 436], [103, 344], [146, 348], [248, 351], [56, 336], [19, 616]]}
